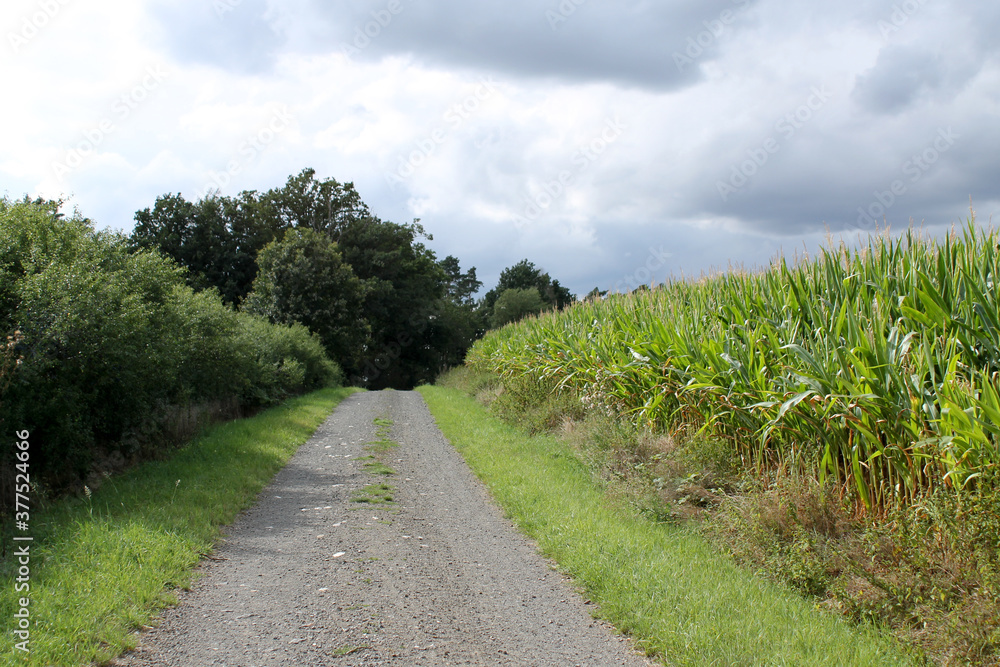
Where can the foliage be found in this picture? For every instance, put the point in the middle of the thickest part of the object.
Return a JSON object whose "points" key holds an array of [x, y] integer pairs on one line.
{"points": [[523, 276], [198, 237], [460, 287], [303, 278], [110, 338], [284, 360], [833, 423], [218, 238], [877, 370], [405, 291], [516, 304], [415, 315]]}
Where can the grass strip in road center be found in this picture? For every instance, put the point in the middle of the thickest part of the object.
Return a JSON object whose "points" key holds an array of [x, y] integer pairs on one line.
{"points": [[107, 563], [381, 493], [664, 585]]}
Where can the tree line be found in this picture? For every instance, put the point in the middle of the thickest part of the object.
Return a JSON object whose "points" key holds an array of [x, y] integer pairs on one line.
{"points": [[312, 252], [218, 306]]}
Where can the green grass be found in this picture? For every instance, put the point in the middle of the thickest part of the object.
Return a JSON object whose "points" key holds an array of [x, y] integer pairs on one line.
{"points": [[103, 566], [377, 493], [679, 598], [374, 494], [347, 650], [382, 443], [378, 468]]}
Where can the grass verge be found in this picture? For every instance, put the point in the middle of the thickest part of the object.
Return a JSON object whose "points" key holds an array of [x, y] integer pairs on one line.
{"points": [[662, 584], [102, 566]]}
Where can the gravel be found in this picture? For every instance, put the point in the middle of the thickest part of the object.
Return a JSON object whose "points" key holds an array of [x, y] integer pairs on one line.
{"points": [[308, 576]]}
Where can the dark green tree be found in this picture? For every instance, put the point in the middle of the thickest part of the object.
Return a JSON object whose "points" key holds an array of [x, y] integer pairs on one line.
{"points": [[516, 304], [321, 205], [303, 278], [404, 284], [408, 294], [525, 275], [461, 287], [217, 238], [197, 236]]}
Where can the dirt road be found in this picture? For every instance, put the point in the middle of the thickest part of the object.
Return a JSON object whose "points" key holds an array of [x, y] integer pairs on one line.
{"points": [[310, 576]]}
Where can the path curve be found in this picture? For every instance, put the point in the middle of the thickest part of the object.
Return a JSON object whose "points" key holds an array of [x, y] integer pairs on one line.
{"points": [[307, 577]]}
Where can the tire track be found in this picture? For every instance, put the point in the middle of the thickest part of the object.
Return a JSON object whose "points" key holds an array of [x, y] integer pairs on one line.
{"points": [[309, 576]]}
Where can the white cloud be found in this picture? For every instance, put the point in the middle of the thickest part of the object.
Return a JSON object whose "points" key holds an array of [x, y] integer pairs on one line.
{"points": [[408, 119]]}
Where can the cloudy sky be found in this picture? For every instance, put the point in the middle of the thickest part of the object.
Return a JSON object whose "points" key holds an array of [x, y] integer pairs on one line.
{"points": [[608, 142]]}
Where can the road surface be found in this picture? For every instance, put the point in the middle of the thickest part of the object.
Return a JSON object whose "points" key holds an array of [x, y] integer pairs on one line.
{"points": [[310, 576]]}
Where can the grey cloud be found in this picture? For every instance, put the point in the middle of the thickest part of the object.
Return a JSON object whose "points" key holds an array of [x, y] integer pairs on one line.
{"points": [[933, 52], [898, 79], [820, 178], [236, 35], [918, 170], [631, 43]]}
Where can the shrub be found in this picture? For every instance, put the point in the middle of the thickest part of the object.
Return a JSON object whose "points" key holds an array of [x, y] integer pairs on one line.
{"points": [[110, 339], [286, 359]]}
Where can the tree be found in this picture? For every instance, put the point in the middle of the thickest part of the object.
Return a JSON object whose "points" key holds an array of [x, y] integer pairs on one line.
{"points": [[198, 236], [516, 304], [524, 275], [461, 286], [303, 278], [404, 286], [321, 205], [217, 238]]}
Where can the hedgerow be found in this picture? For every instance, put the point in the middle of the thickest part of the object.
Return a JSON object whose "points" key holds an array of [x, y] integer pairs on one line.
{"points": [[107, 343]]}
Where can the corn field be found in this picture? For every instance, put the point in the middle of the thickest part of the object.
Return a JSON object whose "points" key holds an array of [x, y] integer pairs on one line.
{"points": [[875, 368]]}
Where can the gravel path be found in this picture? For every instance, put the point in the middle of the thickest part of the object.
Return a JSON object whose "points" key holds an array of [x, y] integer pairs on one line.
{"points": [[309, 576]]}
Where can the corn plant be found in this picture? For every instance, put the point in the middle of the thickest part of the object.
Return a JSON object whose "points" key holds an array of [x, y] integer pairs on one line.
{"points": [[877, 368]]}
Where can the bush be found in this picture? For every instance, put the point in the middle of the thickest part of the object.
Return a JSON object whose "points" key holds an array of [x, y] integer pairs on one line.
{"points": [[516, 304], [110, 339], [285, 359], [89, 313]]}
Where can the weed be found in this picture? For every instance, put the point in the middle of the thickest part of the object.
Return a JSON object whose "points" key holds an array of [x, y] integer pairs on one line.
{"points": [[648, 579], [378, 468], [374, 494], [383, 492]]}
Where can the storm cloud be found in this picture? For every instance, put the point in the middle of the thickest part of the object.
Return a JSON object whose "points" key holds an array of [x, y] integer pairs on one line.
{"points": [[586, 135]]}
